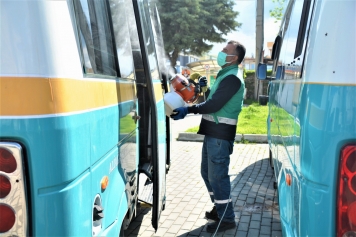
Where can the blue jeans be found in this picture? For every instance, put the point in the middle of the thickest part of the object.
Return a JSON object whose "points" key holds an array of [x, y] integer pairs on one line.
{"points": [[214, 170]]}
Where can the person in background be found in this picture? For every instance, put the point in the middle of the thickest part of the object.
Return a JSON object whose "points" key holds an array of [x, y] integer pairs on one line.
{"points": [[186, 73], [220, 114]]}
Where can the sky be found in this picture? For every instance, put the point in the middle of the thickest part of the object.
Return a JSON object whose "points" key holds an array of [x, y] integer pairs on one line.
{"points": [[246, 33]]}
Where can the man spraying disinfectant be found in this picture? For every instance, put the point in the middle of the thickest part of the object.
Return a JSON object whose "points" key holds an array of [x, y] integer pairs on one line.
{"points": [[220, 114]]}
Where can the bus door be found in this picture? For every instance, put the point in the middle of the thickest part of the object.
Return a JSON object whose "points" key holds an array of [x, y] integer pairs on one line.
{"points": [[152, 125], [103, 35], [164, 70]]}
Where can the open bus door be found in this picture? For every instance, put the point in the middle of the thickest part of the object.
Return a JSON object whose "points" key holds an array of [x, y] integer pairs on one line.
{"points": [[164, 70], [152, 125]]}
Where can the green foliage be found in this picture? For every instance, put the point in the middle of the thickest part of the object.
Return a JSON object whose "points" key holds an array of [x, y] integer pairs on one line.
{"points": [[251, 73], [193, 129], [252, 120], [189, 25], [249, 101], [277, 12], [243, 141]]}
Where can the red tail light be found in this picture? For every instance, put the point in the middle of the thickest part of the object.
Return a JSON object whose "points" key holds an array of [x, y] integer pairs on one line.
{"points": [[7, 161], [5, 186], [7, 217], [13, 197], [346, 200]]}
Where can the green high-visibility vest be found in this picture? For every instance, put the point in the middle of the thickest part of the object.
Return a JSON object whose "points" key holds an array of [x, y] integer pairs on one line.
{"points": [[230, 111]]}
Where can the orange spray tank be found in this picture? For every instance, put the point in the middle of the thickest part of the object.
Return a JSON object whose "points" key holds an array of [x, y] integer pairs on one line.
{"points": [[183, 92]]}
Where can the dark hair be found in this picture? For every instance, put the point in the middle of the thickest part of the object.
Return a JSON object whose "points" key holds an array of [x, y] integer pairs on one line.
{"points": [[240, 50]]}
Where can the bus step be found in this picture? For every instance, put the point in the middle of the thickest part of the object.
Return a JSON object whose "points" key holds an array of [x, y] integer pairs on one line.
{"points": [[146, 169], [145, 190]]}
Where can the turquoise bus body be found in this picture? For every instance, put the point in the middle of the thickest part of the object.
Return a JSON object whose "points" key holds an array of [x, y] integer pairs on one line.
{"points": [[307, 151], [89, 140], [311, 118]]}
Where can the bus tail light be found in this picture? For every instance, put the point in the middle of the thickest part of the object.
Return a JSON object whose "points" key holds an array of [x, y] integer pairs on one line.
{"points": [[346, 198], [7, 161], [351, 213], [5, 186], [7, 216], [13, 198]]}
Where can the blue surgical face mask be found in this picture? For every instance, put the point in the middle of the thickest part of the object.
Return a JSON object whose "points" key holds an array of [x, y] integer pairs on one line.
{"points": [[222, 58]]}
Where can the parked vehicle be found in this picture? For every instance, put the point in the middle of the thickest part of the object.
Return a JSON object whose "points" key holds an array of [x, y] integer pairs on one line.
{"points": [[312, 118], [83, 131]]}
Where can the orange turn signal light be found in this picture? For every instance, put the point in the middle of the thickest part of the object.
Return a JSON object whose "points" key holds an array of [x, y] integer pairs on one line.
{"points": [[104, 182], [289, 179]]}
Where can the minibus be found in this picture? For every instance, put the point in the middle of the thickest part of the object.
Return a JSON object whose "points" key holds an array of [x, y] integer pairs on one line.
{"points": [[83, 133], [312, 117]]}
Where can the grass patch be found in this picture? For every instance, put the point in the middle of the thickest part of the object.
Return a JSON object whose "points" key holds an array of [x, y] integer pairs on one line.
{"points": [[127, 125], [250, 101], [252, 119]]}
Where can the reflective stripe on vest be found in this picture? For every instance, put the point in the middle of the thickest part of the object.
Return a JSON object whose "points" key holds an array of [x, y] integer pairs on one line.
{"points": [[220, 119], [222, 201]]}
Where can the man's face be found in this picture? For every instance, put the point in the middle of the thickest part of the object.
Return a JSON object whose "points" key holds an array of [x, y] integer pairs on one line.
{"points": [[229, 49]]}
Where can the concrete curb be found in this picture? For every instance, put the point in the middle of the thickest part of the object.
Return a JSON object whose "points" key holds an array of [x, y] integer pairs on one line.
{"points": [[193, 137]]}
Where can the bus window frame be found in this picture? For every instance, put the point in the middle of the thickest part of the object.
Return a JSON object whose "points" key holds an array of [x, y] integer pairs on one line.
{"points": [[306, 34], [300, 40], [112, 46], [116, 37], [302, 28]]}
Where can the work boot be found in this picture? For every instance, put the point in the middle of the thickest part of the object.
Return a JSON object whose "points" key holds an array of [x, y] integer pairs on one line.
{"points": [[222, 227], [212, 215]]}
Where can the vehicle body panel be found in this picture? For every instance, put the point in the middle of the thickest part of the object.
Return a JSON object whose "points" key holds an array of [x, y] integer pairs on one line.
{"points": [[312, 113], [75, 126]]}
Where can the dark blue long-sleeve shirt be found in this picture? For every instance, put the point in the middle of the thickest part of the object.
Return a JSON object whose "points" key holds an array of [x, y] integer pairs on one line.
{"points": [[227, 88]]}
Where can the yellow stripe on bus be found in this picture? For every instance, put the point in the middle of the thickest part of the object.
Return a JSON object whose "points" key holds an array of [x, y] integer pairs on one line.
{"points": [[299, 81], [41, 96], [158, 91]]}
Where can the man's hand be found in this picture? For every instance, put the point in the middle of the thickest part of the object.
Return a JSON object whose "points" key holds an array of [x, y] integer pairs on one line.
{"points": [[179, 113], [201, 86], [203, 83]]}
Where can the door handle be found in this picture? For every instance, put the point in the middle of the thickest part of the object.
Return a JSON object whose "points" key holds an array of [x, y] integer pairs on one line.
{"points": [[136, 117]]}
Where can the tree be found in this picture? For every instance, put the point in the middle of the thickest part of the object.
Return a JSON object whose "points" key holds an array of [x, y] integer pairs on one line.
{"points": [[188, 26], [277, 12]]}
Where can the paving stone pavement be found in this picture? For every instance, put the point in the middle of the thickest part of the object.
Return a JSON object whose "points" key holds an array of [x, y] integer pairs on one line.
{"points": [[254, 198]]}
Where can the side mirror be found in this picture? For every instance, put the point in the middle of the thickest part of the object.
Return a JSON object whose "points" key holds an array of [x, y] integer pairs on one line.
{"points": [[261, 71], [280, 72]]}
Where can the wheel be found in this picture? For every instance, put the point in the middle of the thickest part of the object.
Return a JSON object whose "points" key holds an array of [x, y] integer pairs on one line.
{"points": [[275, 186], [271, 159]]}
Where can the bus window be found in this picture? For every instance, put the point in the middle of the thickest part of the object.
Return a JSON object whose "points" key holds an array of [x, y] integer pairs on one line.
{"points": [[302, 29], [303, 34], [148, 38], [294, 40], [95, 37], [122, 42], [158, 39]]}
